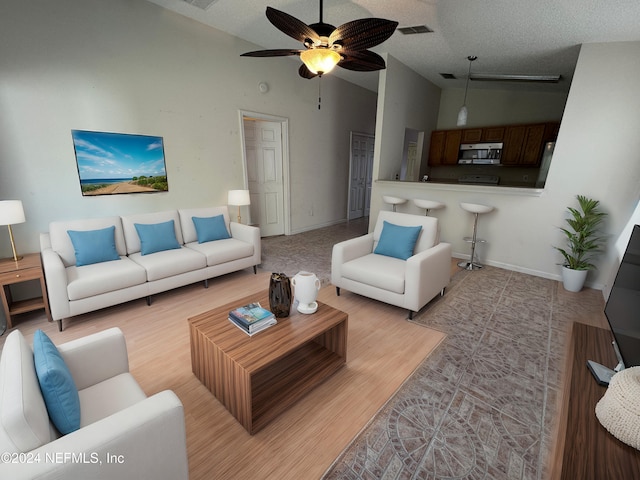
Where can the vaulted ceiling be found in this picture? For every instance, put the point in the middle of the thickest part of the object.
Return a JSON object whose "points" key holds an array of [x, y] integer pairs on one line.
{"points": [[507, 36]]}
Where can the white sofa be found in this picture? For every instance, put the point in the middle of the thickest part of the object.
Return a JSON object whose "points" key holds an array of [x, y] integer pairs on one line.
{"points": [[409, 283], [144, 437], [74, 290]]}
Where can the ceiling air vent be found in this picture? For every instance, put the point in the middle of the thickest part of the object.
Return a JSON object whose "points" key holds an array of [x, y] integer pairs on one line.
{"points": [[203, 4], [415, 29], [448, 76]]}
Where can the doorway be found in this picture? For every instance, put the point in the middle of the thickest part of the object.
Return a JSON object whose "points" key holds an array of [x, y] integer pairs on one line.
{"points": [[266, 170], [360, 175]]}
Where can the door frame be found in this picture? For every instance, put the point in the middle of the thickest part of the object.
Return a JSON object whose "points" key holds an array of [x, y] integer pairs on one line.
{"points": [[286, 183]]}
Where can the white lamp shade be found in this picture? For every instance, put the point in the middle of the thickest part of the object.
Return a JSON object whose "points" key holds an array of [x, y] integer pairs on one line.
{"points": [[11, 212], [462, 116], [239, 197]]}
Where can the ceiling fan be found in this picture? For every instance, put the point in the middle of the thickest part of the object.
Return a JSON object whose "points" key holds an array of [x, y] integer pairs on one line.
{"points": [[327, 46]]}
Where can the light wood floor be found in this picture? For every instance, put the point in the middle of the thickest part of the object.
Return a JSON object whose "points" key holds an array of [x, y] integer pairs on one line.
{"points": [[383, 350]]}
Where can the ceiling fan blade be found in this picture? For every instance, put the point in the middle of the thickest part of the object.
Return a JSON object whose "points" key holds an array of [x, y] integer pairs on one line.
{"points": [[292, 26], [363, 61], [304, 72], [271, 53], [362, 34]]}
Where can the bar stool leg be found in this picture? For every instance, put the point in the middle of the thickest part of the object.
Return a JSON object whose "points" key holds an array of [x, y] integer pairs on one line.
{"points": [[472, 264]]}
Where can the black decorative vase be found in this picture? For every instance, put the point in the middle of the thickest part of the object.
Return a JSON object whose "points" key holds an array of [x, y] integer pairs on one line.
{"points": [[280, 295]]}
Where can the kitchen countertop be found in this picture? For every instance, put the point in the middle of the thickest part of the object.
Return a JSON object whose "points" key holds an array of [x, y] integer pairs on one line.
{"points": [[454, 185]]}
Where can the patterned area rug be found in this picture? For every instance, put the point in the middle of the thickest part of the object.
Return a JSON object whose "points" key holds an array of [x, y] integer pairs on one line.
{"points": [[483, 405]]}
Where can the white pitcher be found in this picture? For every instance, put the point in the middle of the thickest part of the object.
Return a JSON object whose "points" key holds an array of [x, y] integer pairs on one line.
{"points": [[306, 286]]}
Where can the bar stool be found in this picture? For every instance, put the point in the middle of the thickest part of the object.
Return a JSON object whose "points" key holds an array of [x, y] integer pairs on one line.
{"points": [[427, 204], [476, 209], [393, 201]]}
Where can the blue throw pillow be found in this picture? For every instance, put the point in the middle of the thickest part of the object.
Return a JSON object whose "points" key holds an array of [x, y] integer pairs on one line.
{"points": [[56, 383], [156, 237], [397, 241], [210, 228], [94, 246]]}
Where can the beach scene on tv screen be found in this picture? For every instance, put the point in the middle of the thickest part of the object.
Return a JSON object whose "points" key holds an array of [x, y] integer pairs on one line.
{"points": [[115, 163]]}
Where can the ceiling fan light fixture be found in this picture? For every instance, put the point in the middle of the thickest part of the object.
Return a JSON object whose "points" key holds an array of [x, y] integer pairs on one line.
{"points": [[320, 60]]}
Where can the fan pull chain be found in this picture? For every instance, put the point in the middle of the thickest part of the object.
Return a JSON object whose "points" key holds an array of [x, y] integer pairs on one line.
{"points": [[319, 92]]}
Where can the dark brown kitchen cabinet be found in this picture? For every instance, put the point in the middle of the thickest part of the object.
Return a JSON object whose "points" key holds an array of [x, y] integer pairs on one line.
{"points": [[436, 147], [493, 134], [452, 147], [532, 147], [513, 140], [444, 148], [471, 135], [523, 144], [551, 130]]}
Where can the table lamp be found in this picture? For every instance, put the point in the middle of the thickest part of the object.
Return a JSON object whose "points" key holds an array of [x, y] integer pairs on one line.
{"points": [[239, 198], [11, 212]]}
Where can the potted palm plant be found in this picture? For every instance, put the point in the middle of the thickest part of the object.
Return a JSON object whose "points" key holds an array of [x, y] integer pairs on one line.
{"points": [[583, 242]]}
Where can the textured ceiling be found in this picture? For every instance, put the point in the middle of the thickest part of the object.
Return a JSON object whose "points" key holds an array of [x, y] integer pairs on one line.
{"points": [[507, 36]]}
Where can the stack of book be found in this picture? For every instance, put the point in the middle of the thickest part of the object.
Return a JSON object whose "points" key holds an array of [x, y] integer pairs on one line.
{"points": [[252, 318]]}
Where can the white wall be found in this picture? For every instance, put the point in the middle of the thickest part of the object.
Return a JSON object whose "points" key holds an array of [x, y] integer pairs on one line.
{"points": [[406, 100], [132, 67], [500, 107], [619, 248], [596, 155]]}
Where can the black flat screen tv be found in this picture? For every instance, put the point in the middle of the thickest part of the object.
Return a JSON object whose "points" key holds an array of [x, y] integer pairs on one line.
{"points": [[623, 306], [623, 313]]}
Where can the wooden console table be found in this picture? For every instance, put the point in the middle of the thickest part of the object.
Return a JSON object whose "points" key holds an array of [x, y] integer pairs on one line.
{"points": [[11, 272], [257, 378], [585, 449]]}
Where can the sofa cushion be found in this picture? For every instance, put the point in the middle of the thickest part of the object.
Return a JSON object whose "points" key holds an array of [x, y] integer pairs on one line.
{"points": [[131, 233], [222, 251], [189, 233], [24, 422], [108, 397], [379, 271], [94, 246], [57, 385], [397, 241], [157, 237], [91, 280], [170, 262], [61, 242], [209, 229]]}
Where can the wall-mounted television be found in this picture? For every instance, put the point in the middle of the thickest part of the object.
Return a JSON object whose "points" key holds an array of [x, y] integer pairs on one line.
{"points": [[116, 163], [623, 311]]}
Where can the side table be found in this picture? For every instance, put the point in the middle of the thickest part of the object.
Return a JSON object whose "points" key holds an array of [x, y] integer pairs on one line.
{"points": [[11, 273]]}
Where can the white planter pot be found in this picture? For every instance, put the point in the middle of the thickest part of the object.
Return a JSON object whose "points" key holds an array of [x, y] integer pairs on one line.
{"points": [[573, 280]]}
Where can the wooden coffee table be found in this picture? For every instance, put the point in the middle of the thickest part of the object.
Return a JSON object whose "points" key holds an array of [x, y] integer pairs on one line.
{"points": [[257, 378]]}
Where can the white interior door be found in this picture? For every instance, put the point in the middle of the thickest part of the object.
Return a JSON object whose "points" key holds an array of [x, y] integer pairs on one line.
{"points": [[264, 162], [360, 174]]}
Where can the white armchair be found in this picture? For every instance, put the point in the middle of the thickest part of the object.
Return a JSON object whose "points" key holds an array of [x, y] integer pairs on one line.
{"points": [[122, 434], [409, 283]]}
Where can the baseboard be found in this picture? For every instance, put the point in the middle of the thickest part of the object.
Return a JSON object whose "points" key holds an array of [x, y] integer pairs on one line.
{"points": [[528, 271], [319, 225]]}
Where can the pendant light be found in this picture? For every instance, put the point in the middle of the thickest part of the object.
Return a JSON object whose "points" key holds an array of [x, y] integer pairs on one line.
{"points": [[462, 114]]}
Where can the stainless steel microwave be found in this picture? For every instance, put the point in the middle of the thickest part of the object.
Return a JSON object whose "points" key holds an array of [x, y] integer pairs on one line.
{"points": [[480, 154]]}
